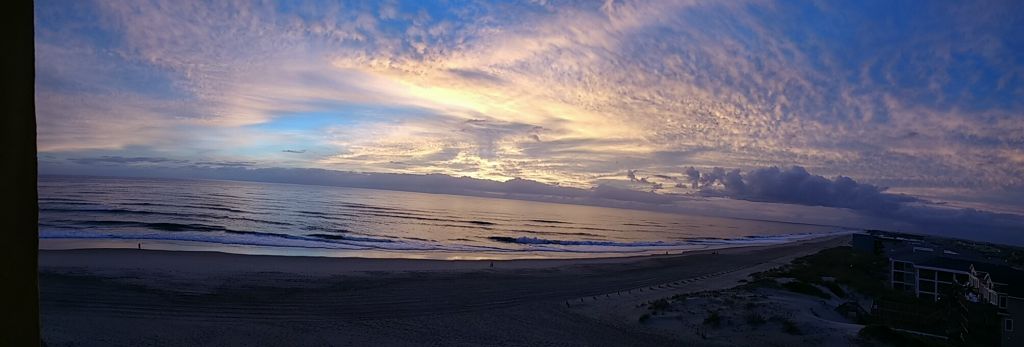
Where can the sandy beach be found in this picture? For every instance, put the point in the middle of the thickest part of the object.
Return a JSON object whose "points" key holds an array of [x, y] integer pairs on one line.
{"points": [[111, 297]]}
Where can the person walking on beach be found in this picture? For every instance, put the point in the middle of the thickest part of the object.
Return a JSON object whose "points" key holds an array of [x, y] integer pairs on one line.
{"points": [[140, 245]]}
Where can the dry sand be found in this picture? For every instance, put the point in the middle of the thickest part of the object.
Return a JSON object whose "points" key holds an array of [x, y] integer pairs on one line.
{"points": [[112, 297]]}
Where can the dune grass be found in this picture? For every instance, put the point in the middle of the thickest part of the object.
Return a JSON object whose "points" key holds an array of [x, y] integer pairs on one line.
{"points": [[862, 272], [805, 288], [713, 319]]}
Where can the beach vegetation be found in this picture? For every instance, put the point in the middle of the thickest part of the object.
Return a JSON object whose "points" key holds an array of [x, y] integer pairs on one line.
{"points": [[760, 281], [805, 288], [756, 319], [713, 319], [835, 288], [660, 304], [861, 272], [645, 317], [789, 327]]}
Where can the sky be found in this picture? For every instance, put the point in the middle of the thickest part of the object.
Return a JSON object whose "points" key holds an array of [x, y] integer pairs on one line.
{"points": [[909, 111]]}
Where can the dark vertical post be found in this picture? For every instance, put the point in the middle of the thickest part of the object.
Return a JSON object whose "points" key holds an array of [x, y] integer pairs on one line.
{"points": [[19, 216]]}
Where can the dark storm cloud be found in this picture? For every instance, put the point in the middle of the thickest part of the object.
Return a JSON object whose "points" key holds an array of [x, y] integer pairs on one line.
{"points": [[796, 186], [709, 178], [293, 151]]}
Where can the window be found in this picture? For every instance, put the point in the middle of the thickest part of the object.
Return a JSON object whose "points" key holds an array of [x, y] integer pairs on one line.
{"points": [[897, 277], [1008, 324], [1002, 301], [898, 265]]}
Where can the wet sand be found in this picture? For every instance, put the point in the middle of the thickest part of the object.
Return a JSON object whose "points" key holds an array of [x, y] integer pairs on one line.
{"points": [[144, 297]]}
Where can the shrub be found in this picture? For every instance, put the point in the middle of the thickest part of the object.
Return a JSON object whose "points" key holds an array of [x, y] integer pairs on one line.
{"points": [[713, 319], [789, 327], [644, 317], [761, 283], [659, 304], [864, 273], [755, 319], [835, 288], [805, 288]]}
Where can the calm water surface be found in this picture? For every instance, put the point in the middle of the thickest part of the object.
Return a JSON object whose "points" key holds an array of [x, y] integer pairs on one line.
{"points": [[291, 218]]}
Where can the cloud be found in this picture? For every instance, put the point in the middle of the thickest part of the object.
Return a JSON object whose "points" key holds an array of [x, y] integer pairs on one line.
{"points": [[621, 85], [796, 186], [631, 175], [694, 176], [225, 163], [126, 160], [622, 194], [293, 150]]}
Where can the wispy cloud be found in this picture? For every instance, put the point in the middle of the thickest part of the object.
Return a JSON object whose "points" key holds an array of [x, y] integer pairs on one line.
{"points": [[126, 160], [913, 95]]}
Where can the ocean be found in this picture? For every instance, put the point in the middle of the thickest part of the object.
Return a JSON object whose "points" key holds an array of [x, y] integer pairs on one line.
{"points": [[290, 219]]}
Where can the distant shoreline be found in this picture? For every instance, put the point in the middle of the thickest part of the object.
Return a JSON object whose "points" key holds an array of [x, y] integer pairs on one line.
{"points": [[83, 244], [129, 257]]}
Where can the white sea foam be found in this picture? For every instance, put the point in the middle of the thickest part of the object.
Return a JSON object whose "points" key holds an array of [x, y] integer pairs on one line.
{"points": [[527, 244]]}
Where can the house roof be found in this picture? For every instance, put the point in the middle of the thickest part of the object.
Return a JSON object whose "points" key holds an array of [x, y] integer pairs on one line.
{"points": [[930, 259], [946, 263]]}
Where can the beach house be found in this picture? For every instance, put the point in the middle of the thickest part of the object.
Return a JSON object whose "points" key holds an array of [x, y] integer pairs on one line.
{"points": [[927, 272], [1008, 284]]}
